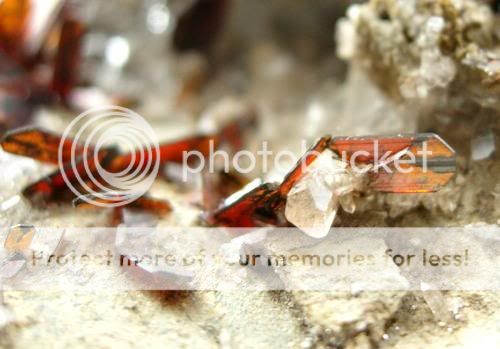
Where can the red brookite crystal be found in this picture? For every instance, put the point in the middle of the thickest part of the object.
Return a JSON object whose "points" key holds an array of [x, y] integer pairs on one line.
{"points": [[265, 205], [44, 146]]}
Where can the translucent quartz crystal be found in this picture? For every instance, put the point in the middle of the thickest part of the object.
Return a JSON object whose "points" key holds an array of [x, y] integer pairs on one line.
{"points": [[18, 172], [133, 218], [483, 146], [10, 267], [21, 243], [221, 113], [444, 308], [314, 200]]}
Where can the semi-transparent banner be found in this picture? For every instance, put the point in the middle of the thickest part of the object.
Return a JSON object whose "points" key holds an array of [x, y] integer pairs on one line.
{"points": [[348, 259]]}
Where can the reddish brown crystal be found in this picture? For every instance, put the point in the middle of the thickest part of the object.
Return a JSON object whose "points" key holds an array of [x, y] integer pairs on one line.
{"points": [[428, 173], [258, 207], [44, 146], [39, 145], [198, 28], [264, 205], [67, 60]]}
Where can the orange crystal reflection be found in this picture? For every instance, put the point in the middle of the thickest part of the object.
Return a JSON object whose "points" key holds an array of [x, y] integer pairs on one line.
{"points": [[14, 15], [19, 238]]}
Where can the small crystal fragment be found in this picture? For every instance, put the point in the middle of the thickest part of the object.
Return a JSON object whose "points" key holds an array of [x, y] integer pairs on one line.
{"points": [[483, 146], [444, 308], [9, 203], [132, 243], [21, 243], [19, 238], [43, 18], [167, 274], [248, 243], [11, 265], [45, 241], [134, 218]]}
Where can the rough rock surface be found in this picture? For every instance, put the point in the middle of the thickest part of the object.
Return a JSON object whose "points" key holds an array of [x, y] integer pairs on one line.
{"points": [[419, 48]]}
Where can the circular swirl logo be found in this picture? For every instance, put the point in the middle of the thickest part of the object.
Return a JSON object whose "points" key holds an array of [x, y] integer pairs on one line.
{"points": [[109, 156]]}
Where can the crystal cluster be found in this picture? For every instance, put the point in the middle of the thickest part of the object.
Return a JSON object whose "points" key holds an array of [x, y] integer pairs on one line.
{"points": [[416, 48]]}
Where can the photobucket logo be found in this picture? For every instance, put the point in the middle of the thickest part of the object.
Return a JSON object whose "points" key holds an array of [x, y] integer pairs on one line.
{"points": [[96, 137], [245, 161]]}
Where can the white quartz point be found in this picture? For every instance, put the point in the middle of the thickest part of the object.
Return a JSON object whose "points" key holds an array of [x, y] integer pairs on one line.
{"points": [[313, 201]]}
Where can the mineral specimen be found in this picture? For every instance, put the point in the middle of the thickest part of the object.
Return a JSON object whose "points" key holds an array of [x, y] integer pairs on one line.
{"points": [[316, 188]]}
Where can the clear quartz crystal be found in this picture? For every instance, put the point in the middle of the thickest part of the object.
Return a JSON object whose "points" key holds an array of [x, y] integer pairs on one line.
{"points": [[19, 172], [444, 308], [313, 202], [483, 146], [11, 267]]}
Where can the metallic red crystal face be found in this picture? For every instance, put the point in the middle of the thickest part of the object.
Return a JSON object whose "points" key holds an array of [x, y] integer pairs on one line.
{"points": [[265, 204], [423, 175]]}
